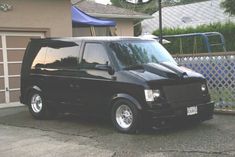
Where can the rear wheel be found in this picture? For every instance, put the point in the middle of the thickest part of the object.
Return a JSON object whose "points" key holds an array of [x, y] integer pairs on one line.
{"points": [[36, 103], [125, 116], [37, 106]]}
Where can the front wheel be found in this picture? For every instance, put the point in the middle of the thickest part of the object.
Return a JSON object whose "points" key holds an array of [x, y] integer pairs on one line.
{"points": [[125, 116]]}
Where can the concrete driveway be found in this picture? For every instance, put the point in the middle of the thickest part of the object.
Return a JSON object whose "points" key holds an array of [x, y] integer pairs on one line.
{"points": [[23, 136]]}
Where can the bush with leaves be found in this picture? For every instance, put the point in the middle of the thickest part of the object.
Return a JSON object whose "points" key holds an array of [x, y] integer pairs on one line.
{"points": [[229, 6], [189, 45]]}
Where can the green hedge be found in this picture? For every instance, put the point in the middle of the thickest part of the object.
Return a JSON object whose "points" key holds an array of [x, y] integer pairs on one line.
{"points": [[195, 45]]}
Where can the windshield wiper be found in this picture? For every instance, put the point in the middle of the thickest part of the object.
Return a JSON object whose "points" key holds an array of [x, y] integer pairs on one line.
{"points": [[134, 67]]}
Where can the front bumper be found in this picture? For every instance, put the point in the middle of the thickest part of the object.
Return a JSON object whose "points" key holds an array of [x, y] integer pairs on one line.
{"points": [[167, 117]]}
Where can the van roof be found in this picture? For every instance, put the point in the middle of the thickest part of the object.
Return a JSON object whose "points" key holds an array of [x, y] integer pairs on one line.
{"points": [[91, 38]]}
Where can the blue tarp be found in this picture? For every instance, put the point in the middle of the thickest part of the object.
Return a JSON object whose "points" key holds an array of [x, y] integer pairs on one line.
{"points": [[80, 18]]}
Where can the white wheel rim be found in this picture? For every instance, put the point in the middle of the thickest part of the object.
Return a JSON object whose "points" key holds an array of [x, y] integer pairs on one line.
{"points": [[124, 116], [36, 103]]}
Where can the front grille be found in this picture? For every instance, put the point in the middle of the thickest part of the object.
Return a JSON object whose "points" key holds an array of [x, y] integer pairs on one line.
{"points": [[183, 93]]}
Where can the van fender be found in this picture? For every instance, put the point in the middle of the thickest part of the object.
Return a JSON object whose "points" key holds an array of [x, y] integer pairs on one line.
{"points": [[36, 88], [128, 97], [29, 89], [33, 88], [24, 97]]}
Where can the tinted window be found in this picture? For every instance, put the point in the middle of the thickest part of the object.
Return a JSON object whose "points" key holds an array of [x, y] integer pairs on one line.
{"points": [[94, 53], [130, 53], [66, 57], [40, 58]]}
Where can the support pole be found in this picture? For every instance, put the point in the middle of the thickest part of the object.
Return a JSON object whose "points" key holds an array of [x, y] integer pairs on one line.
{"points": [[160, 20]]}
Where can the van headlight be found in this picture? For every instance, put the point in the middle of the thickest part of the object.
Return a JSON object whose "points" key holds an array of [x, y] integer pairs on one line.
{"points": [[203, 87], [150, 95]]}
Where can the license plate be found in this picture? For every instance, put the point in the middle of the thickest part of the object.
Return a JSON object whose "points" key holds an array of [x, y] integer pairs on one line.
{"points": [[191, 110]]}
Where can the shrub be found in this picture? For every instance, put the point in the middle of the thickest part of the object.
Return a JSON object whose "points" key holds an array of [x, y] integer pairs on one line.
{"points": [[189, 45]]}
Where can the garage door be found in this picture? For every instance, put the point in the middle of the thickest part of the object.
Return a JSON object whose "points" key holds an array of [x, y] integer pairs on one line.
{"points": [[12, 48]]}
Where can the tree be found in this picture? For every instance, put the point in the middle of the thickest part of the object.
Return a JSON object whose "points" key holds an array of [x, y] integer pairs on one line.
{"points": [[229, 6]]}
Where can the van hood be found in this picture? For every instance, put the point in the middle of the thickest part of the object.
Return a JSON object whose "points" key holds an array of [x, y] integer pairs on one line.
{"points": [[162, 71]]}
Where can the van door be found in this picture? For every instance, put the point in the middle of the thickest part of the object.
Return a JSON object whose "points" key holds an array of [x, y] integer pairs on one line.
{"points": [[61, 66], [95, 84]]}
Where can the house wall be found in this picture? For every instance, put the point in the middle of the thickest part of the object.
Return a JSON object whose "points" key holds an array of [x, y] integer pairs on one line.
{"points": [[50, 16], [124, 27], [27, 19], [87, 31], [81, 31]]}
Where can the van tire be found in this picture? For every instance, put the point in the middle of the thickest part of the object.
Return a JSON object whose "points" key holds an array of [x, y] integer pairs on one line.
{"points": [[125, 116], [38, 107]]}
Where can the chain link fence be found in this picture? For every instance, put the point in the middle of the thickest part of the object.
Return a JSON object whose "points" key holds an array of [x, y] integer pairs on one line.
{"points": [[218, 69]]}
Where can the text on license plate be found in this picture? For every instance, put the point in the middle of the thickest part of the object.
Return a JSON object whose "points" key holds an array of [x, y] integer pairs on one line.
{"points": [[191, 110]]}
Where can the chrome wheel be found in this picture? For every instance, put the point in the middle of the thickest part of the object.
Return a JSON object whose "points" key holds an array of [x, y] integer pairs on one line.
{"points": [[124, 116], [36, 103]]}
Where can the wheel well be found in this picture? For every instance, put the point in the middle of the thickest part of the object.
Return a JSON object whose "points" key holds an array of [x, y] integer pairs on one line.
{"points": [[29, 90], [128, 97]]}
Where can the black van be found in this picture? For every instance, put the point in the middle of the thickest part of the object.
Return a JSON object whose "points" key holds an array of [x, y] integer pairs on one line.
{"points": [[135, 81]]}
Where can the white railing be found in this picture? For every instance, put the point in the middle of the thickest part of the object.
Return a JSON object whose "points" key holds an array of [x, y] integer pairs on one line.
{"points": [[218, 69]]}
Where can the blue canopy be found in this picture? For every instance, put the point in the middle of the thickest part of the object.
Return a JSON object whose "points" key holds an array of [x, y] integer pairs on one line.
{"points": [[80, 18]]}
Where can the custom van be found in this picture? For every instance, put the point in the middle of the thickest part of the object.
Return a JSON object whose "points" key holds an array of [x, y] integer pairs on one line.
{"points": [[132, 80]]}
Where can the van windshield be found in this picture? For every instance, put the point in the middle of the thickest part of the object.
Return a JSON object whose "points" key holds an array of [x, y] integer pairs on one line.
{"points": [[135, 53]]}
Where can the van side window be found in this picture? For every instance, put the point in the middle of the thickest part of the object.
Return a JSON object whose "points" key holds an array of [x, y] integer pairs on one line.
{"points": [[40, 58], [94, 53], [62, 58]]}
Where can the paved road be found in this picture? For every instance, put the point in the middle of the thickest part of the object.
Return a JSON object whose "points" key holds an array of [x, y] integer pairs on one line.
{"points": [[22, 136]]}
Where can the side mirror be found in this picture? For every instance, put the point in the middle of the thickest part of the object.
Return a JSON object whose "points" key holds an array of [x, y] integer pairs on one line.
{"points": [[105, 67]]}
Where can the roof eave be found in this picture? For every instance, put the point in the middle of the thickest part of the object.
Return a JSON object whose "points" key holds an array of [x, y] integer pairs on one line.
{"points": [[120, 16]]}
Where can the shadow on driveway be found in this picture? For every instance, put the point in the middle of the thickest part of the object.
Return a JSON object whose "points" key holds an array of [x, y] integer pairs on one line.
{"points": [[77, 124]]}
